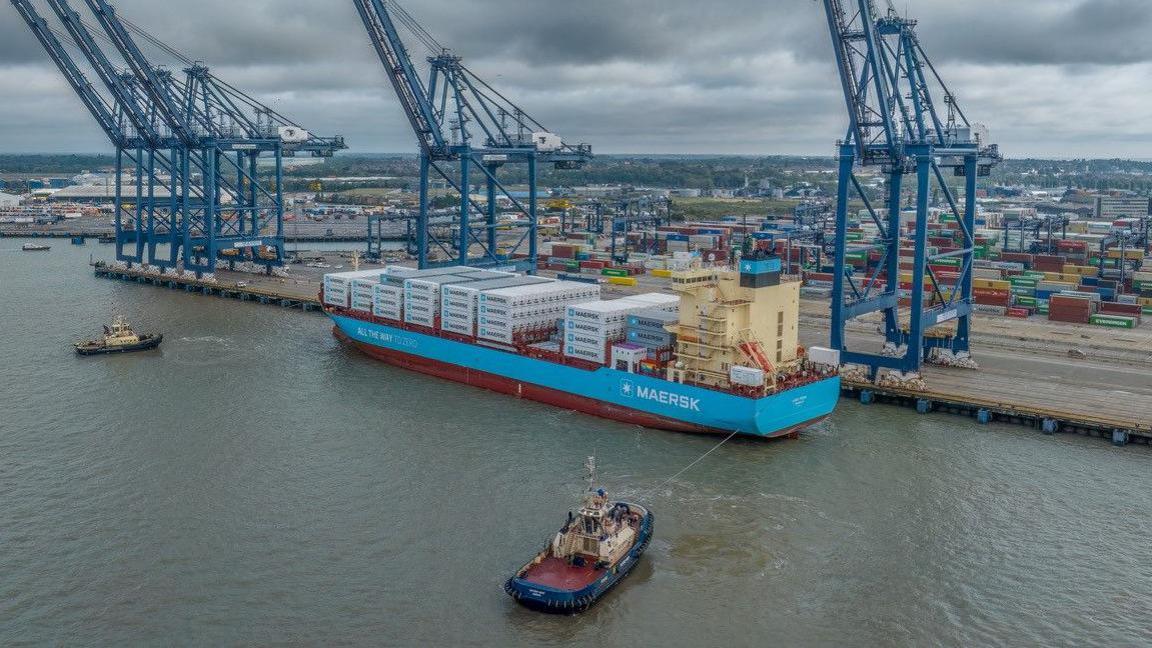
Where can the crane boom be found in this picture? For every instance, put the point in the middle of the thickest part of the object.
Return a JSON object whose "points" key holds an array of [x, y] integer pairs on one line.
{"points": [[158, 91], [402, 74], [120, 86], [865, 82], [72, 73]]}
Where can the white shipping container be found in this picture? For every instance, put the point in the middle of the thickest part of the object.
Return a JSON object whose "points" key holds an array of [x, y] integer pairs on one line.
{"points": [[361, 304], [457, 327], [658, 301], [824, 356], [598, 355], [494, 335], [580, 339], [334, 297], [747, 376], [417, 310]]}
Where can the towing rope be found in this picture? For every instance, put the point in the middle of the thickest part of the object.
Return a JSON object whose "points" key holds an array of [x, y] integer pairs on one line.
{"points": [[698, 460]]}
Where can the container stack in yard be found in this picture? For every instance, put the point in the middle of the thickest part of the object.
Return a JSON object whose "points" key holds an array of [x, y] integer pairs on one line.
{"points": [[1006, 282], [1017, 284]]}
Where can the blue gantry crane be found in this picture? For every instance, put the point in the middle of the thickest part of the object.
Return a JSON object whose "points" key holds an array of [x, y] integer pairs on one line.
{"points": [[890, 88], [198, 137], [129, 125], [467, 131]]}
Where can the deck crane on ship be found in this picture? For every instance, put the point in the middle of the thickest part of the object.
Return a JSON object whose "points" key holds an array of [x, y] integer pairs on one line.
{"points": [[467, 131], [895, 125]]}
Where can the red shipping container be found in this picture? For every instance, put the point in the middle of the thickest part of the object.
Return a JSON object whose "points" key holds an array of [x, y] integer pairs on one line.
{"points": [[1016, 257], [1070, 303], [1114, 308], [563, 251]]}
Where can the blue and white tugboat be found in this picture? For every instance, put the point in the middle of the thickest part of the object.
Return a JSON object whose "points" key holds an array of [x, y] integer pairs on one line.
{"points": [[594, 550]]}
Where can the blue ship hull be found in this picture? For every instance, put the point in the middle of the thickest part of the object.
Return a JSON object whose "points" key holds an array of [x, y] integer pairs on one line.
{"points": [[610, 393]]}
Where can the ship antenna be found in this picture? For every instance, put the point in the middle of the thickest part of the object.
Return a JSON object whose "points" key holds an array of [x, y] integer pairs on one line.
{"points": [[591, 466]]}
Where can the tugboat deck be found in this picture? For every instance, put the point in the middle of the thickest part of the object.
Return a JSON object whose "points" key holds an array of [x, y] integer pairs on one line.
{"points": [[557, 573]]}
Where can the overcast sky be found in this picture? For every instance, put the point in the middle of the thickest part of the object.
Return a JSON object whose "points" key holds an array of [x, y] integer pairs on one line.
{"points": [[1051, 78]]}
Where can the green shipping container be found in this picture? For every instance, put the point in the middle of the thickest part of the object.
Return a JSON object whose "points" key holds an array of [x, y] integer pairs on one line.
{"points": [[1147, 310], [613, 272], [1023, 300], [1023, 282], [1114, 321]]}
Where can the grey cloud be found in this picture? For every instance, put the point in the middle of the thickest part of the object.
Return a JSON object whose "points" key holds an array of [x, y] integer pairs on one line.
{"points": [[743, 76]]}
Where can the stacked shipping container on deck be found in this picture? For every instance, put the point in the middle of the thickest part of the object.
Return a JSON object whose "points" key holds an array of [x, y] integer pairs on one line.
{"points": [[529, 313], [647, 328], [590, 329], [338, 288], [557, 318], [459, 302], [422, 295]]}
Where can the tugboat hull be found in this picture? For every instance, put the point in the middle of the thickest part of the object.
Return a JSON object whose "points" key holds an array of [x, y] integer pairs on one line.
{"points": [[99, 349], [561, 588]]}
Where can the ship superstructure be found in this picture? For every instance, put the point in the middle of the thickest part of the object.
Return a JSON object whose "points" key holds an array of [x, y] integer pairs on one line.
{"points": [[737, 328]]}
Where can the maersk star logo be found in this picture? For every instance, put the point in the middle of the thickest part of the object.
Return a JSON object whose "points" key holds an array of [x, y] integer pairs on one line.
{"points": [[627, 388]]}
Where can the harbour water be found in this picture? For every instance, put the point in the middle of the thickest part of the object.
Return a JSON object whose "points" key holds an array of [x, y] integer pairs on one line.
{"points": [[253, 482]]}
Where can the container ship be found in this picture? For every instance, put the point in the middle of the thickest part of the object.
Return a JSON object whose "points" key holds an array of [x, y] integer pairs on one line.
{"points": [[721, 355]]}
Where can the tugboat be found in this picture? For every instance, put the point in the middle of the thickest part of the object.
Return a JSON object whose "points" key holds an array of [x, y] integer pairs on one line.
{"points": [[119, 338], [594, 550], [35, 247]]}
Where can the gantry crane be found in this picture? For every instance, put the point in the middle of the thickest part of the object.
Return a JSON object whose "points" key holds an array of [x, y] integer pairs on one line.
{"points": [[1135, 236], [642, 211], [129, 126], [197, 136], [1043, 227], [467, 132], [890, 89]]}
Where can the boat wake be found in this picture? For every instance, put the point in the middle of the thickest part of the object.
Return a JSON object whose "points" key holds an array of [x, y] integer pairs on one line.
{"points": [[207, 339]]}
